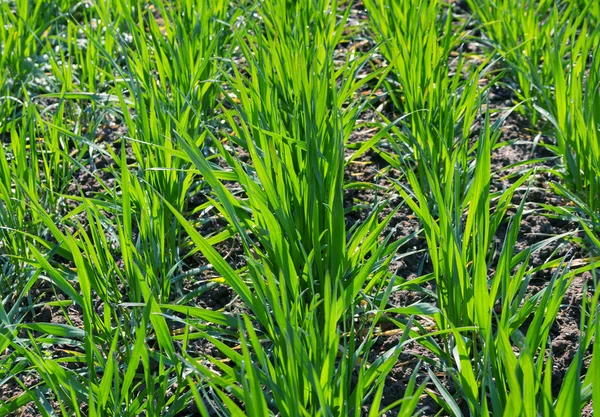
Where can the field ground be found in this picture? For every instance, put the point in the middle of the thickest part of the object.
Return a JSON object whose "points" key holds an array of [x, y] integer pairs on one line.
{"points": [[299, 208]]}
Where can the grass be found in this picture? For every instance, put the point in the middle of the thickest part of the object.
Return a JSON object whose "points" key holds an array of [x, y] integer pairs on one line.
{"points": [[157, 154]]}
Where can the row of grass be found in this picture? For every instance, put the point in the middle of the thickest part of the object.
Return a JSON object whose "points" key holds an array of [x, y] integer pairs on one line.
{"points": [[232, 124]]}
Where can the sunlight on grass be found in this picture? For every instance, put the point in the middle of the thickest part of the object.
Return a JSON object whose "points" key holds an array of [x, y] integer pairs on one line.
{"points": [[299, 208]]}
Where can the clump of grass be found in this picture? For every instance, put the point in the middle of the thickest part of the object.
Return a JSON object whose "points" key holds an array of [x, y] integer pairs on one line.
{"points": [[573, 111], [551, 50], [521, 31], [436, 94], [307, 272]]}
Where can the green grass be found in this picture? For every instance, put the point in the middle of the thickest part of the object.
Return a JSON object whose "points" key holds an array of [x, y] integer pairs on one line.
{"points": [[154, 153], [557, 75]]}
